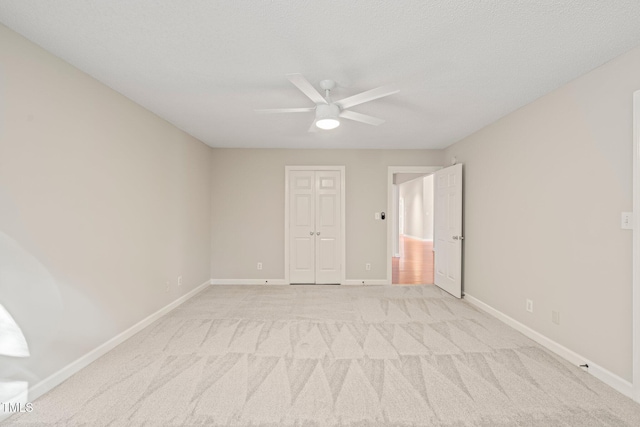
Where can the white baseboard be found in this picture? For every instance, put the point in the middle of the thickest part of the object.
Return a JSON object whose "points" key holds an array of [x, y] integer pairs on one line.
{"points": [[417, 238], [248, 282], [63, 374], [282, 282], [607, 377], [365, 282]]}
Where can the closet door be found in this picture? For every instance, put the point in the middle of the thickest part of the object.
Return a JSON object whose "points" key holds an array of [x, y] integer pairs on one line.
{"points": [[315, 240], [327, 227], [302, 233]]}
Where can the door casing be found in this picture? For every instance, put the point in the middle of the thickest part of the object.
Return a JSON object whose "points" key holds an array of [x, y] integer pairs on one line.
{"points": [[287, 170], [636, 248]]}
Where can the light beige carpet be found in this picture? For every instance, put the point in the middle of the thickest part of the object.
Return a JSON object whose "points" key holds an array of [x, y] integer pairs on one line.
{"points": [[329, 355]]}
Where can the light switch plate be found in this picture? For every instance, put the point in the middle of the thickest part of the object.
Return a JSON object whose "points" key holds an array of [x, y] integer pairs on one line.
{"points": [[626, 221], [376, 215]]}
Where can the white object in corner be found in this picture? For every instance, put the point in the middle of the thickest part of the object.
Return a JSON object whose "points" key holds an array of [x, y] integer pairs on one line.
{"points": [[63, 374], [607, 377]]}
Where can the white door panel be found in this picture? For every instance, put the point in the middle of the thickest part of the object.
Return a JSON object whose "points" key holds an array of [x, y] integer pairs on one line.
{"points": [[448, 229], [302, 205], [304, 254], [327, 215], [327, 263]]}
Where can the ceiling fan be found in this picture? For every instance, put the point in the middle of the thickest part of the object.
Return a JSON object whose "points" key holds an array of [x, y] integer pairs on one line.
{"points": [[329, 112]]}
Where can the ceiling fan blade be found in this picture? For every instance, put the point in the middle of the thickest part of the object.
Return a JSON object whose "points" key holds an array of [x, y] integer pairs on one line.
{"points": [[358, 117], [367, 96], [313, 127], [307, 88], [284, 110]]}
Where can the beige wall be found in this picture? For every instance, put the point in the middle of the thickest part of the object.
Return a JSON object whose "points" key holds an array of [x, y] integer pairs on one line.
{"points": [[101, 203], [427, 199], [248, 214], [544, 189]]}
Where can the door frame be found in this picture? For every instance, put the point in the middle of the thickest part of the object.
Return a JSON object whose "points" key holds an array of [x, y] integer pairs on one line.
{"points": [[635, 380], [390, 210], [341, 169]]}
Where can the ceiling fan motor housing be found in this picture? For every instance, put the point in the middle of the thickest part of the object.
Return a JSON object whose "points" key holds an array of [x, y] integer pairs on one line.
{"points": [[327, 116], [327, 111]]}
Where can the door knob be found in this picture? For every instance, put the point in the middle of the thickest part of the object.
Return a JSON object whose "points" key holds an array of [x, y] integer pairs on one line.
{"points": [[311, 233], [458, 237], [318, 233]]}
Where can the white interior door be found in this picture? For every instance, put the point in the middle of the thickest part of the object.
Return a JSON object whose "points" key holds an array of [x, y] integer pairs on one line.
{"points": [[448, 229], [315, 230], [327, 227], [302, 227]]}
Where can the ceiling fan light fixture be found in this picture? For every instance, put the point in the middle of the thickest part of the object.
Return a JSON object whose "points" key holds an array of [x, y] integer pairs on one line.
{"points": [[327, 124], [327, 116]]}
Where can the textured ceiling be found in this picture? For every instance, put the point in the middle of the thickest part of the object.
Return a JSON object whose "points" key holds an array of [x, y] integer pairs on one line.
{"points": [[206, 65]]}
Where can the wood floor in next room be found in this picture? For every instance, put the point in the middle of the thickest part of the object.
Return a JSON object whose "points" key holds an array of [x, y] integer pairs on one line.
{"points": [[414, 266]]}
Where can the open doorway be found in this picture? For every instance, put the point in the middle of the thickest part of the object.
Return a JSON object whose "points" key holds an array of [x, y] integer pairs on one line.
{"points": [[411, 226], [412, 264]]}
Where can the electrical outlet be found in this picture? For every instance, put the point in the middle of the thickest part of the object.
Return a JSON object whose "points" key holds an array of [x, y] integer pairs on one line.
{"points": [[626, 221], [367, 266], [555, 317], [179, 280], [529, 306], [259, 266]]}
